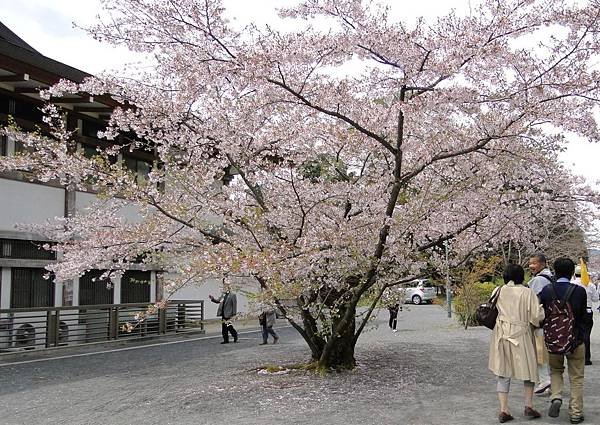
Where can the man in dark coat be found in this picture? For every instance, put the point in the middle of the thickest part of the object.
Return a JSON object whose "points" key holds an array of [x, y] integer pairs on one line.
{"points": [[227, 309], [564, 268]]}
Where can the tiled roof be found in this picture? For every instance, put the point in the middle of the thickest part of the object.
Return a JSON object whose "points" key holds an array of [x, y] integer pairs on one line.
{"points": [[12, 46]]}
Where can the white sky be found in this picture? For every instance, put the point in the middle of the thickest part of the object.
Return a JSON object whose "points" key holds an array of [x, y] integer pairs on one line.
{"points": [[47, 25]]}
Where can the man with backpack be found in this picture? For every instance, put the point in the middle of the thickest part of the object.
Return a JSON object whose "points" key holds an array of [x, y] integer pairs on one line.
{"points": [[565, 307], [542, 276]]}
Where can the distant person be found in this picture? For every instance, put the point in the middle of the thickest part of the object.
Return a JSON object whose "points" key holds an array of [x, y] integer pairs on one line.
{"points": [[569, 316], [592, 296], [512, 348], [393, 322], [267, 321], [227, 310], [541, 276]]}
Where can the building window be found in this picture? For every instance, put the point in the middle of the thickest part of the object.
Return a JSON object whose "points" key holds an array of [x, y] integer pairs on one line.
{"points": [[93, 290], [91, 128], [140, 168], [4, 106], [3, 146], [30, 289], [12, 106], [28, 111], [90, 151], [135, 287], [24, 249]]}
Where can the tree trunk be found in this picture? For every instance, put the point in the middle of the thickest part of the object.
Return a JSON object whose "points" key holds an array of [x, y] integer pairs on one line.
{"points": [[338, 353], [311, 335]]}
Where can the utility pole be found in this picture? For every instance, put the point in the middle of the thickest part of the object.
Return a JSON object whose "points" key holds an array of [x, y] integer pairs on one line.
{"points": [[448, 289]]}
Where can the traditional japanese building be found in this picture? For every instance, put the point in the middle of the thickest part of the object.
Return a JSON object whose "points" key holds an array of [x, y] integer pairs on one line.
{"points": [[23, 73], [24, 200]]}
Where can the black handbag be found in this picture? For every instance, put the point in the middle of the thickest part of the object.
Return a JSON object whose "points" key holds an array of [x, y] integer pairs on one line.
{"points": [[486, 314]]}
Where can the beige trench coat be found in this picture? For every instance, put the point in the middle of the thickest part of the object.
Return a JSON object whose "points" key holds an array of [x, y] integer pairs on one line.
{"points": [[512, 348]]}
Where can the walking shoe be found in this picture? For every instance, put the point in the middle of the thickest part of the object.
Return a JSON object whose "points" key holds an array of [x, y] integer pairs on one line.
{"points": [[588, 363], [395, 330], [555, 408], [263, 343], [504, 417], [577, 420], [235, 338], [275, 340], [541, 388], [224, 342], [531, 413]]}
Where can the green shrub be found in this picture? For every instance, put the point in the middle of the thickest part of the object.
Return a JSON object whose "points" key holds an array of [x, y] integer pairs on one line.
{"points": [[468, 298]]}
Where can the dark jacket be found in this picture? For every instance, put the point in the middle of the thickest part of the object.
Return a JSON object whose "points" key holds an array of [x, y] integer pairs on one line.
{"points": [[267, 318], [578, 303], [227, 305]]}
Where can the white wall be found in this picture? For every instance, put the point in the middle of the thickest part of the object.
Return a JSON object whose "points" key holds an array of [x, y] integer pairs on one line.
{"points": [[6, 287], [201, 291], [29, 203], [84, 200]]}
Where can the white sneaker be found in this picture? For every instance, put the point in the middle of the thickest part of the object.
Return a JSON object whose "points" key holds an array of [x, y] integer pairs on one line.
{"points": [[541, 388], [394, 330]]}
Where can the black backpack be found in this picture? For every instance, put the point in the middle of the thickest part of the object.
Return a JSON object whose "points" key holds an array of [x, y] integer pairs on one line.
{"points": [[559, 325]]}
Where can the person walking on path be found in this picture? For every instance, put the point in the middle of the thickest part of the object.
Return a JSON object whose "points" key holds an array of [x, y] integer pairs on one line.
{"points": [[267, 321], [393, 322], [592, 296], [226, 310], [541, 276], [564, 269], [512, 347]]}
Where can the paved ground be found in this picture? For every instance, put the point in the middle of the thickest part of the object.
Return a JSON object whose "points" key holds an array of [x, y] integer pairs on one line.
{"points": [[430, 372]]}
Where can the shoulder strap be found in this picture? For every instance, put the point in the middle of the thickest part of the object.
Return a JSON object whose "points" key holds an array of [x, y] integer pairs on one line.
{"points": [[495, 296], [553, 291], [570, 291]]}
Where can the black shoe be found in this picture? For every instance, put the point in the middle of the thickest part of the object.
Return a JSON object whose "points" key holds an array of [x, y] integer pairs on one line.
{"points": [[577, 420], [224, 342], [263, 343], [235, 338], [554, 410], [588, 363], [531, 413]]}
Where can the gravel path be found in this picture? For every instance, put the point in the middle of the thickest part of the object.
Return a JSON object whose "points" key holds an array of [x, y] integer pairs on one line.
{"points": [[430, 372]]}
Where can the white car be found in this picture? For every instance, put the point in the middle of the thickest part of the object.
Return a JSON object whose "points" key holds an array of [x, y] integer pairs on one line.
{"points": [[419, 291]]}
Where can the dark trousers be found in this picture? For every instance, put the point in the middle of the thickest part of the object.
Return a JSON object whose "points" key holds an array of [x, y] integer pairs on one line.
{"points": [[588, 324], [226, 328], [266, 331], [393, 320]]}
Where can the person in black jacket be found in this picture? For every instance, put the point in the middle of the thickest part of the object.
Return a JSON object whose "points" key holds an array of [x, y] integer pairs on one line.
{"points": [[564, 269], [227, 310], [393, 309]]}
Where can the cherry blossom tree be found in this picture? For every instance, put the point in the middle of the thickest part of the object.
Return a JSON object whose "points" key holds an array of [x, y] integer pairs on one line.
{"points": [[330, 158]]}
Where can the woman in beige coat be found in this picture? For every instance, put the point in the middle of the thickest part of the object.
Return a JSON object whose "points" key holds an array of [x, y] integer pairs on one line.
{"points": [[512, 348]]}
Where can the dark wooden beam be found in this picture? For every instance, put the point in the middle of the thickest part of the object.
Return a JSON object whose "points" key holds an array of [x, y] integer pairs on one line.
{"points": [[85, 99], [38, 74], [13, 78], [96, 109], [29, 90]]}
